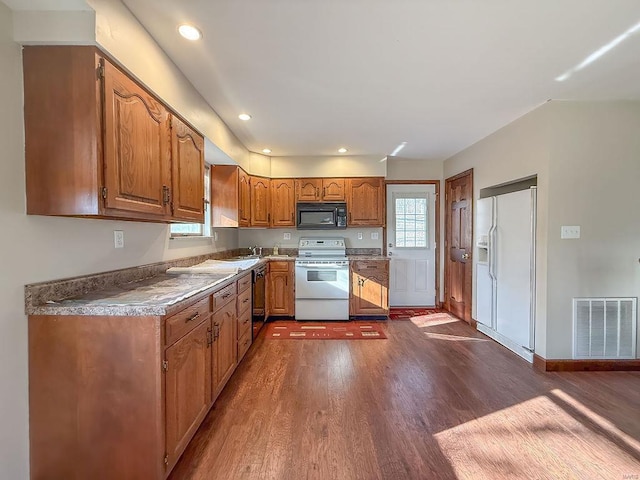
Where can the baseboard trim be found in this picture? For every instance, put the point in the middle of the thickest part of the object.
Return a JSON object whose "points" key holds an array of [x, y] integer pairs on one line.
{"points": [[585, 365]]}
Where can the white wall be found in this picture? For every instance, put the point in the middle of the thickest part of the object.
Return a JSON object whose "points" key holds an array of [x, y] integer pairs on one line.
{"points": [[399, 168], [594, 175], [517, 150], [319, 166], [35, 248], [586, 157]]}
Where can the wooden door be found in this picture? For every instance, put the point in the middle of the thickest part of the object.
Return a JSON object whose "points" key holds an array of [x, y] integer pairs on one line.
{"points": [[187, 168], [244, 192], [281, 292], [283, 202], [137, 148], [458, 248], [308, 189], [187, 387], [260, 190], [225, 346], [365, 202], [333, 190]]}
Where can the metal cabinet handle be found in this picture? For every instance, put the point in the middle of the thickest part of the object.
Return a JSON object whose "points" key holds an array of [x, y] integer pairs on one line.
{"points": [[209, 337], [216, 331], [192, 317], [466, 256], [226, 295]]}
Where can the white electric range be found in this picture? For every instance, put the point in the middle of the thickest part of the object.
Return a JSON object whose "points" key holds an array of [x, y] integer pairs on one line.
{"points": [[322, 279]]}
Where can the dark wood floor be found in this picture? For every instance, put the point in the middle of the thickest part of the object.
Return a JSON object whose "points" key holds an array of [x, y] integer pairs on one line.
{"points": [[437, 402]]}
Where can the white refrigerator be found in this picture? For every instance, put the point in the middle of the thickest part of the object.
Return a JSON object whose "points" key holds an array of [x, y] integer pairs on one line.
{"points": [[505, 273]]}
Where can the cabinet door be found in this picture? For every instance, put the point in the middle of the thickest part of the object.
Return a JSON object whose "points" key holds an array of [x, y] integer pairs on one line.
{"points": [[137, 147], [225, 343], [369, 288], [365, 202], [308, 189], [244, 191], [333, 190], [225, 196], [281, 289], [283, 202], [260, 189], [187, 169], [187, 387]]}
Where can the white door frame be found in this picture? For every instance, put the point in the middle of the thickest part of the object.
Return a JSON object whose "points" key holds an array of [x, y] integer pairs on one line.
{"points": [[437, 233]]}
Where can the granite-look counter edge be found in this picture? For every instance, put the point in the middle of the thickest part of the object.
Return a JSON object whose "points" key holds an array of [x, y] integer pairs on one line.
{"points": [[38, 295]]}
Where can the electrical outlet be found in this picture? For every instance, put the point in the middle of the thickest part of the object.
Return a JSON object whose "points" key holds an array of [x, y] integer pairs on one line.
{"points": [[570, 231], [118, 238], [286, 236], [359, 235], [374, 235]]}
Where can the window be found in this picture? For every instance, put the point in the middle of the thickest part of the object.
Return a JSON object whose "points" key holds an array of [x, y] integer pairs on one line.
{"points": [[197, 229], [411, 222]]}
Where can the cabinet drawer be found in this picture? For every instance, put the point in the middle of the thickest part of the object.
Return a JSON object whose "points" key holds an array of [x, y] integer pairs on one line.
{"points": [[370, 265], [223, 296], [243, 345], [186, 320], [244, 301], [244, 323], [279, 266], [244, 283]]}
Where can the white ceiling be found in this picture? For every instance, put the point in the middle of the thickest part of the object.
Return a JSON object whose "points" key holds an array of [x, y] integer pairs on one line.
{"points": [[370, 74]]}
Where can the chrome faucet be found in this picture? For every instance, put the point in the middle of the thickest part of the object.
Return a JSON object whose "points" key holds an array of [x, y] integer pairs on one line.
{"points": [[256, 251]]}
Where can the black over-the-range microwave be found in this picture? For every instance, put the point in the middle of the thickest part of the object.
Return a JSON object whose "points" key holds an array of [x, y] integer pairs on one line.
{"points": [[321, 216]]}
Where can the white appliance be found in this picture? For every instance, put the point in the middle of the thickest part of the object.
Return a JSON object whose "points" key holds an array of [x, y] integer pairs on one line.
{"points": [[505, 273], [322, 279]]}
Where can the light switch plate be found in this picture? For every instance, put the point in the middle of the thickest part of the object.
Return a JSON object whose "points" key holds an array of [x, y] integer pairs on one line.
{"points": [[118, 238], [570, 231], [359, 235], [286, 236], [374, 235]]}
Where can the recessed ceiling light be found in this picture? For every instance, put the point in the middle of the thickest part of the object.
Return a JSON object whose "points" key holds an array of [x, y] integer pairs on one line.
{"points": [[244, 117], [266, 150], [189, 32], [342, 150]]}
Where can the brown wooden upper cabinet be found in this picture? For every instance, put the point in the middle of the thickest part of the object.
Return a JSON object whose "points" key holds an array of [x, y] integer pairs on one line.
{"points": [[283, 202], [187, 149], [320, 190], [365, 202], [100, 144], [244, 185], [260, 201], [239, 199]]}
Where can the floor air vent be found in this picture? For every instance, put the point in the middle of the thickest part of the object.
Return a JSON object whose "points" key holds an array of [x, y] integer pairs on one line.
{"points": [[604, 328]]}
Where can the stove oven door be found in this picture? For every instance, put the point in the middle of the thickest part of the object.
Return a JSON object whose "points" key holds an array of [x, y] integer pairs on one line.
{"points": [[322, 280]]}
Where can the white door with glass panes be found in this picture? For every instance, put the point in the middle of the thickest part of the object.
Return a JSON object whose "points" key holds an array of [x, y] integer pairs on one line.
{"points": [[411, 245]]}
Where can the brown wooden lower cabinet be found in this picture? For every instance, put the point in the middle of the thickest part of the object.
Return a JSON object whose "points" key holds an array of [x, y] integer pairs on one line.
{"points": [[369, 295], [225, 346], [281, 289], [116, 397], [187, 387]]}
